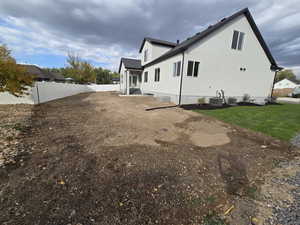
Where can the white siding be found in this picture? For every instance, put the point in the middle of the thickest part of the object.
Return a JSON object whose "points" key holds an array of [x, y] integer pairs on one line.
{"points": [[220, 66], [154, 51], [168, 84], [158, 50], [123, 78], [148, 47]]}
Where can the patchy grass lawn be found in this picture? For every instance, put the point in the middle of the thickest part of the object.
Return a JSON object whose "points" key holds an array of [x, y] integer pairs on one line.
{"points": [[279, 121]]}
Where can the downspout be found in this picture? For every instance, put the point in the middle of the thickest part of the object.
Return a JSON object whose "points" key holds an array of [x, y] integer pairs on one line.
{"points": [[273, 84], [278, 69], [181, 79], [125, 82]]}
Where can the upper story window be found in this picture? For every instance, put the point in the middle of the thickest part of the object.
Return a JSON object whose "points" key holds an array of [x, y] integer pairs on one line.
{"points": [[157, 75], [176, 69], [193, 68], [145, 77], [237, 40], [146, 55]]}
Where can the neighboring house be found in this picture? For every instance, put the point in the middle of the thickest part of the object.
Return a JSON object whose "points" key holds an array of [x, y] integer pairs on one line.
{"points": [[43, 75], [230, 55], [285, 83]]}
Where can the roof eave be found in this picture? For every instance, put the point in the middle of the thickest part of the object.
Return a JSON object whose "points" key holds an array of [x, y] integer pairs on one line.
{"points": [[274, 67]]}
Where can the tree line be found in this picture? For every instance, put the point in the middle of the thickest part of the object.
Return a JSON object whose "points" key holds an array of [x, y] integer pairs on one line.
{"points": [[286, 74], [83, 72]]}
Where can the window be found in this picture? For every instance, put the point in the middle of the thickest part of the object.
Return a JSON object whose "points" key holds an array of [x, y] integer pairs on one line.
{"points": [[146, 55], [193, 68], [176, 68], [237, 40], [145, 77], [157, 75], [196, 67], [190, 68], [241, 41]]}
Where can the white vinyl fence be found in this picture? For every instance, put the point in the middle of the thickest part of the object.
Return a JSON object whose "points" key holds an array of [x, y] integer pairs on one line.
{"points": [[47, 91]]}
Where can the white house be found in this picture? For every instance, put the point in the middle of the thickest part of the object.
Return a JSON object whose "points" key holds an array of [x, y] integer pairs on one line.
{"points": [[230, 55], [285, 83]]}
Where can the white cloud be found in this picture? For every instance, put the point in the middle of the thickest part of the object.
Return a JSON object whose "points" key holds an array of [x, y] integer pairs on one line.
{"points": [[37, 40], [105, 30]]}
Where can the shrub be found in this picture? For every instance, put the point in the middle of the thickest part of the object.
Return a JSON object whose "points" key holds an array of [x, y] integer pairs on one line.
{"points": [[216, 101], [246, 98], [201, 101], [231, 101]]}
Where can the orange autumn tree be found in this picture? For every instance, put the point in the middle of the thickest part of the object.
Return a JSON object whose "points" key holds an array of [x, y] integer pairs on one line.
{"points": [[13, 77]]}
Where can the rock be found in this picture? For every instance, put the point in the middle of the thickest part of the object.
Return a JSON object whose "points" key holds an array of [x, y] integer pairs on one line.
{"points": [[255, 221], [73, 213], [296, 140]]}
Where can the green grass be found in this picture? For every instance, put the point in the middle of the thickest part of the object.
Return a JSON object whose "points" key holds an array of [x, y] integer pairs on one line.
{"points": [[279, 121]]}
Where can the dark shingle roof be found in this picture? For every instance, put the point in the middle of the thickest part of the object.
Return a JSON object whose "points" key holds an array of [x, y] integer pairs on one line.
{"points": [[57, 76], [41, 74], [131, 64], [199, 36], [157, 42], [37, 72]]}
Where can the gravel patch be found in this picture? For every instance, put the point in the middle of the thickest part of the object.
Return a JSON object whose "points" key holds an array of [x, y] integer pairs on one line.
{"points": [[14, 123], [287, 212], [296, 140]]}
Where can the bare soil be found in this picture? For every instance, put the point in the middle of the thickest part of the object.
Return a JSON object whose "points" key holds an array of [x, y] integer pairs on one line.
{"points": [[103, 159]]}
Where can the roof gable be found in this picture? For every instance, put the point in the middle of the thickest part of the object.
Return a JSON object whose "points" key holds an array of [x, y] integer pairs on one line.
{"points": [[130, 64], [157, 42], [211, 29], [288, 81]]}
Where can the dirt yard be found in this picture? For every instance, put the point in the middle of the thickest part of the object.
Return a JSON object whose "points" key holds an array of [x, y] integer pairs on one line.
{"points": [[103, 159]]}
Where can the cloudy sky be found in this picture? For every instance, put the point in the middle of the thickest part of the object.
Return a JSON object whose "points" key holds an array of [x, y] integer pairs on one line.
{"points": [[42, 32]]}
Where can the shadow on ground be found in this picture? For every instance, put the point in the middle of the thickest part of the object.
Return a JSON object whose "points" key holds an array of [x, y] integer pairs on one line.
{"points": [[70, 177]]}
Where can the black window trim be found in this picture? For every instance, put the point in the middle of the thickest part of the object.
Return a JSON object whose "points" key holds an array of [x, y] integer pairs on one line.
{"points": [[235, 40], [176, 69], [241, 41], [238, 40], [157, 74], [193, 63], [146, 80], [190, 70]]}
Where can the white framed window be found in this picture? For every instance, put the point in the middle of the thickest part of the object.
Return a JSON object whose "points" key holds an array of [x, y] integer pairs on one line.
{"points": [[237, 40], [193, 68], [176, 69], [146, 55], [157, 75], [145, 77]]}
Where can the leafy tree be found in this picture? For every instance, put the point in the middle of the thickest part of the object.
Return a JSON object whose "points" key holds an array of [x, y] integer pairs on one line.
{"points": [[289, 74], [103, 76], [81, 71], [13, 77]]}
